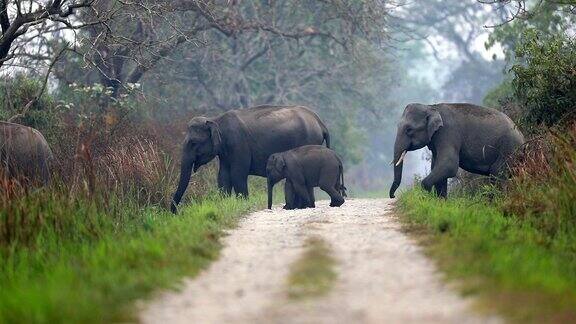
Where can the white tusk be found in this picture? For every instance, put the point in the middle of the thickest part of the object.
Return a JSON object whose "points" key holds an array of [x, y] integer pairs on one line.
{"points": [[401, 158]]}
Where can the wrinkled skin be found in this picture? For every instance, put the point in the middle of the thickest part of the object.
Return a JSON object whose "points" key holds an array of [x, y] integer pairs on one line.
{"points": [[304, 168], [243, 140], [477, 139], [24, 153]]}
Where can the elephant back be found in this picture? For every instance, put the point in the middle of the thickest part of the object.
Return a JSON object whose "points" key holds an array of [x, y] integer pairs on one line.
{"points": [[24, 152]]}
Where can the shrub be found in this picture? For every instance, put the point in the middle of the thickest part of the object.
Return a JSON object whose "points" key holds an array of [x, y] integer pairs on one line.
{"points": [[545, 79], [543, 188], [16, 92]]}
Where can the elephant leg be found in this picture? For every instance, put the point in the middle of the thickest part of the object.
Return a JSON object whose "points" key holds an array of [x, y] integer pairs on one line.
{"points": [[445, 166], [224, 184], [289, 196], [312, 198], [239, 180], [329, 182], [441, 188], [302, 194], [336, 199]]}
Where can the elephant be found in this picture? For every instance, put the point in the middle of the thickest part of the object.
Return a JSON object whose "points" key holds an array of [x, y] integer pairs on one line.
{"points": [[24, 153], [243, 140], [304, 168], [477, 139]]}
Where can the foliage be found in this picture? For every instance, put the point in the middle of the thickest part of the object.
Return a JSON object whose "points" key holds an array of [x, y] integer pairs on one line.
{"points": [[518, 267], [542, 191], [546, 84], [547, 17], [16, 92]]}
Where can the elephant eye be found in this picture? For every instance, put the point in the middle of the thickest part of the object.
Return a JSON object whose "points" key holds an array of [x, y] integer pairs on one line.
{"points": [[409, 131]]}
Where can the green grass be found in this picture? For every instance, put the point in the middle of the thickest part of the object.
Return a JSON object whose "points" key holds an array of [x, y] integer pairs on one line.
{"points": [[313, 274], [521, 270], [87, 264]]}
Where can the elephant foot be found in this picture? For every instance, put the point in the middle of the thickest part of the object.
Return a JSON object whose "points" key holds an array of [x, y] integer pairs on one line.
{"points": [[337, 203], [286, 207]]}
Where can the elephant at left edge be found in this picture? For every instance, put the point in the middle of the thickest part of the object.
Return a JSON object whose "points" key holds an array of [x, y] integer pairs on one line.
{"points": [[24, 153]]}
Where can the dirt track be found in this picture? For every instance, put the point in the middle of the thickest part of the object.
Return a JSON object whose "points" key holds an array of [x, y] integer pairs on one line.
{"points": [[383, 277]]}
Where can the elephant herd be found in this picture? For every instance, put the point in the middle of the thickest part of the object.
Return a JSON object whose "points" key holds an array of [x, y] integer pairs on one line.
{"points": [[286, 142]]}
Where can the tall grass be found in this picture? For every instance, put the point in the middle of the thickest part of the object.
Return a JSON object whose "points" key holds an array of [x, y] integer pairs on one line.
{"points": [[543, 189], [95, 265]]}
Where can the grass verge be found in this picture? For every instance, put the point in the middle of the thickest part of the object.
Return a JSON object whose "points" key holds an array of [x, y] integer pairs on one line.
{"points": [[106, 263], [521, 270], [313, 274]]}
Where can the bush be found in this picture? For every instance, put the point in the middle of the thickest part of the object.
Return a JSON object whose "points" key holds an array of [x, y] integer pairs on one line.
{"points": [[543, 187], [16, 92], [545, 79]]}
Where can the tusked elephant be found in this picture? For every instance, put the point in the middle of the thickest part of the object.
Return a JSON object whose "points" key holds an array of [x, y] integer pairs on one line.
{"points": [[24, 153], [243, 140], [304, 168], [477, 139]]}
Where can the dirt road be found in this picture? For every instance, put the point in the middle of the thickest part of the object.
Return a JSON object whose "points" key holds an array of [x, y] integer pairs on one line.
{"points": [[383, 277]]}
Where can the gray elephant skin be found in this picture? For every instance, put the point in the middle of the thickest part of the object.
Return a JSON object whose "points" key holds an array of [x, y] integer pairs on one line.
{"points": [[305, 168], [477, 139], [24, 153], [243, 140]]}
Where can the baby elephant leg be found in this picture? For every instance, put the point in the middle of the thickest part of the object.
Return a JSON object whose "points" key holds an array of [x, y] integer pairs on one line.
{"points": [[302, 195], [329, 186], [290, 197], [312, 202]]}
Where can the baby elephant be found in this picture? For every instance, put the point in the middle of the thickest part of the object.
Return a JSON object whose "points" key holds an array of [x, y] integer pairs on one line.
{"points": [[304, 168]]}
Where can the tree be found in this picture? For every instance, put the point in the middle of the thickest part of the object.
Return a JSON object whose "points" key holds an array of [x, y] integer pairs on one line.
{"points": [[452, 31], [25, 24], [132, 42]]}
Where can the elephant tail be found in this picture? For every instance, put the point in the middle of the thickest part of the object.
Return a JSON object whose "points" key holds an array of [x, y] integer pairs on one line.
{"points": [[342, 187], [325, 133], [326, 136]]}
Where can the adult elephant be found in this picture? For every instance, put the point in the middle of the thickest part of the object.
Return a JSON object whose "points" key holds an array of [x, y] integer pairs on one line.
{"points": [[24, 153], [243, 140], [477, 139]]}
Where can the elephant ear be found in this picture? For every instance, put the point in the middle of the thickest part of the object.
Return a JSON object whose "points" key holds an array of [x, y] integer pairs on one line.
{"points": [[215, 136], [434, 122], [279, 163]]}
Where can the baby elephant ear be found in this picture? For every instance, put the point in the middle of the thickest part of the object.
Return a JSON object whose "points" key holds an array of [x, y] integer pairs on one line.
{"points": [[279, 162], [434, 122]]}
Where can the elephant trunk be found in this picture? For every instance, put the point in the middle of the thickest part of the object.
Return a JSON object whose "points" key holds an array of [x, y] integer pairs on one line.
{"points": [[270, 192], [185, 173], [398, 162]]}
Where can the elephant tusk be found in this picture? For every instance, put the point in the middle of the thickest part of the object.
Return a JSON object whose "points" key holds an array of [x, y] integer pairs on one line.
{"points": [[401, 158]]}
